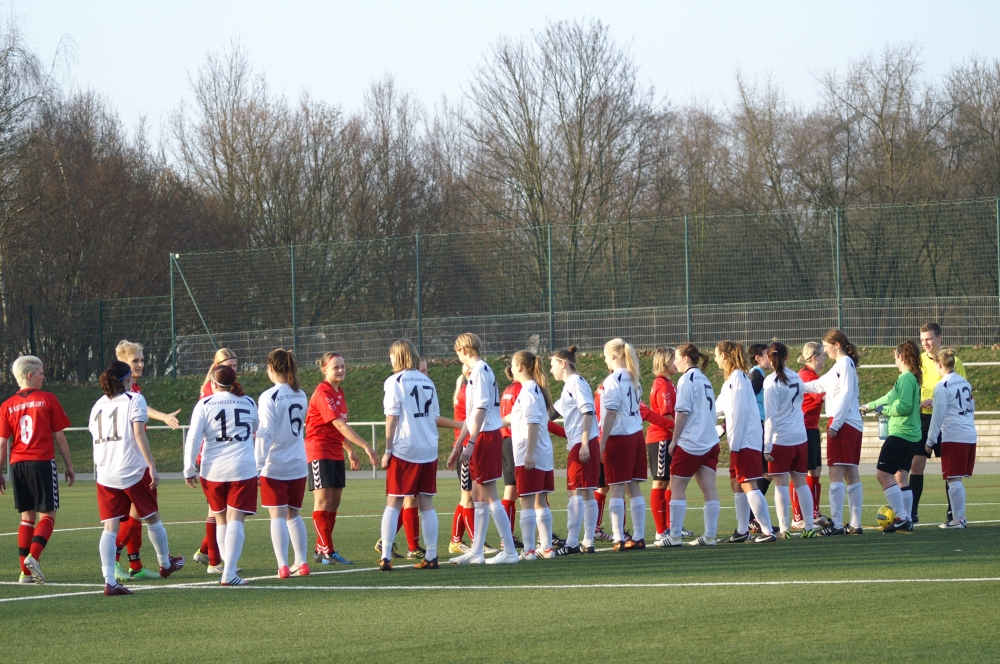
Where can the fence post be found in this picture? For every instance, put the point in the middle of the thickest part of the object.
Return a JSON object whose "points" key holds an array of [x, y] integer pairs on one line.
{"points": [[997, 203], [295, 316], [687, 278], [173, 318], [552, 319], [836, 253], [100, 329], [420, 312]]}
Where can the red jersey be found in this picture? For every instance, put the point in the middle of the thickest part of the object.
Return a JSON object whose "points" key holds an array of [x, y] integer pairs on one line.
{"points": [[812, 404], [206, 390], [507, 400], [460, 409], [323, 440], [660, 413], [29, 418]]}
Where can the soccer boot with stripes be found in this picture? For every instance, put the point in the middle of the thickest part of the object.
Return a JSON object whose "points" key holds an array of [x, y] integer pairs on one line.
{"points": [[822, 521], [686, 533], [755, 526], [418, 553], [458, 548], [588, 550], [545, 553], [669, 541], [953, 524], [799, 524], [220, 568], [832, 530], [428, 564], [557, 542], [851, 530], [385, 565], [635, 545], [737, 537], [703, 541], [235, 581], [176, 562], [34, 568], [600, 535], [567, 550], [504, 558], [118, 589]]}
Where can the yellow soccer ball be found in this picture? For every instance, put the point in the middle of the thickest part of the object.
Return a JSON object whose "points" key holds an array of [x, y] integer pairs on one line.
{"points": [[885, 516]]}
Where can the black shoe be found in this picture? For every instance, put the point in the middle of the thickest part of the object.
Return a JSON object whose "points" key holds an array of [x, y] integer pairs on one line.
{"points": [[754, 526], [618, 547], [851, 530], [518, 544], [898, 524], [737, 537], [567, 550], [763, 539], [916, 518], [385, 565], [628, 536], [635, 544], [832, 530], [587, 549], [557, 542]]}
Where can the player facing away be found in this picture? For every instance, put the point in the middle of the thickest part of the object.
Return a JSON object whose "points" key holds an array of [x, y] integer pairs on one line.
{"points": [[623, 447], [412, 416], [328, 436], [280, 452], [757, 373], [125, 472], [737, 403], [31, 427], [843, 432], [507, 399], [662, 398], [902, 405], [694, 449], [465, 514], [786, 446], [952, 423], [813, 358], [130, 528], [484, 452], [226, 422], [583, 466]]}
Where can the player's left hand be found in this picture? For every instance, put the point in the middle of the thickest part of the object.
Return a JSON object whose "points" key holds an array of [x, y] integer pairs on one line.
{"points": [[155, 477], [769, 458], [385, 460], [70, 475], [529, 461], [371, 457], [467, 452]]}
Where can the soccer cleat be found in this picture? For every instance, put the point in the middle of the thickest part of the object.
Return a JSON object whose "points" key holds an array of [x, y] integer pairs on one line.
{"points": [[220, 568], [587, 549], [810, 534], [468, 558], [737, 537], [318, 556], [546, 553], [385, 565], [529, 555], [557, 542], [518, 544], [142, 573], [567, 550], [618, 546], [417, 554], [284, 572], [200, 558], [831, 530], [504, 558], [300, 570], [378, 547], [822, 521], [851, 530], [118, 589], [898, 524], [337, 559], [235, 581], [635, 545], [670, 541], [947, 525], [457, 547], [121, 573], [25, 579], [628, 536], [783, 535], [661, 541], [763, 539], [915, 518], [599, 534], [702, 541], [176, 562], [427, 564], [489, 549], [34, 568], [798, 524], [754, 526], [686, 533]]}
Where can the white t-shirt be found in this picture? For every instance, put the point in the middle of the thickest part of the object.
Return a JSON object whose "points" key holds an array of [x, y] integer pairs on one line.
{"points": [[281, 444], [412, 397], [226, 423], [576, 401], [118, 463], [738, 404], [842, 394], [696, 397], [784, 423], [481, 394], [622, 396], [953, 412], [529, 408]]}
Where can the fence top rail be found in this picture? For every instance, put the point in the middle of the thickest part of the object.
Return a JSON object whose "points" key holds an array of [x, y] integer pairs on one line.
{"points": [[893, 366]]}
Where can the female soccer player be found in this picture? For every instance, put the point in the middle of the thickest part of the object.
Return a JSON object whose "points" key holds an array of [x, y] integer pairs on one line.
{"points": [[785, 440], [694, 450], [125, 471], [328, 436], [623, 448], [31, 424], [813, 358], [484, 452], [225, 423], [464, 517], [952, 423], [902, 405], [507, 399], [412, 416], [662, 397], [737, 403], [843, 432], [576, 405], [280, 451]]}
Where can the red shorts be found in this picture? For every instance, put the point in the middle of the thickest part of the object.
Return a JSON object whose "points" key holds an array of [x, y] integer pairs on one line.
{"points": [[745, 465], [957, 459], [581, 475], [486, 464], [625, 458], [844, 449], [282, 493], [530, 482], [405, 478], [241, 496], [686, 465], [789, 458], [116, 503]]}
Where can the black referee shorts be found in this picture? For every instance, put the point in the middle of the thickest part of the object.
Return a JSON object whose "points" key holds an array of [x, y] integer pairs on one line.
{"points": [[896, 455], [35, 485], [925, 425], [814, 449], [327, 474]]}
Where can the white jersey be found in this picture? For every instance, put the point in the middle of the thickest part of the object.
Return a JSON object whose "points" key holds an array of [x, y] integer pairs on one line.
{"points": [[281, 444], [622, 396], [953, 412], [738, 404], [412, 397], [696, 398], [226, 423], [481, 393], [576, 401], [118, 463], [842, 394], [529, 408], [784, 423]]}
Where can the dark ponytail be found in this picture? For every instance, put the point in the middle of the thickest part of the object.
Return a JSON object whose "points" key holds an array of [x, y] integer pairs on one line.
{"points": [[225, 377], [568, 356], [283, 363], [910, 354], [694, 356], [777, 353], [836, 336], [112, 377]]}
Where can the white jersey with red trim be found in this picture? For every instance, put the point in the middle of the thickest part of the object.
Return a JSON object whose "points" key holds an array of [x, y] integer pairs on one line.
{"points": [[784, 423], [227, 424], [575, 401], [481, 393], [696, 398], [953, 417], [118, 463], [622, 396], [529, 408], [412, 397], [738, 404], [280, 448]]}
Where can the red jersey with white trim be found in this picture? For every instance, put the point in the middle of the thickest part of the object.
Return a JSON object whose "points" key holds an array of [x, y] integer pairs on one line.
{"points": [[323, 439], [622, 396], [118, 463], [29, 418], [812, 404], [411, 397], [483, 395], [226, 423], [459, 409], [507, 400], [662, 398], [280, 447]]}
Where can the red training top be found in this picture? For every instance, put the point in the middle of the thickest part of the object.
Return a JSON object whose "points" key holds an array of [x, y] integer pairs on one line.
{"points": [[507, 400], [660, 412], [29, 418], [323, 440], [460, 409], [812, 404]]}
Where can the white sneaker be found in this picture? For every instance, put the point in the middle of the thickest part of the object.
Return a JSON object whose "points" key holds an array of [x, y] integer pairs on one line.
{"points": [[669, 541], [489, 549], [954, 524], [703, 541], [503, 558], [468, 558], [546, 553], [34, 568], [799, 525], [216, 569], [529, 555], [200, 558]]}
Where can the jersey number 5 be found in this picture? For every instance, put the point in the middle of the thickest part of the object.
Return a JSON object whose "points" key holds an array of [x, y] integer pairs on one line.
{"points": [[221, 418]]}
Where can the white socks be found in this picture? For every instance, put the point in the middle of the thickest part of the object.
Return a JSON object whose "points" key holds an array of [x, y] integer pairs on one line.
{"points": [[543, 517], [617, 508], [907, 500], [758, 503], [895, 499], [783, 506], [300, 540], [220, 539], [806, 505], [855, 498], [158, 536], [837, 491], [279, 540], [711, 511], [429, 527], [678, 508], [637, 507], [742, 512], [503, 525], [107, 549], [574, 517], [481, 523], [528, 524], [390, 518], [234, 549], [956, 491], [589, 521]]}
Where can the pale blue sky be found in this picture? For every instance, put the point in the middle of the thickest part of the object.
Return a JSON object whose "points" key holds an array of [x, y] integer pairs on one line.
{"points": [[140, 54]]}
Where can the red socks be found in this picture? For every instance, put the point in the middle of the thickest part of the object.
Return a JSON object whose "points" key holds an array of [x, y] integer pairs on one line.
{"points": [[24, 534], [469, 515], [410, 516], [458, 525], [600, 508], [659, 508], [814, 486], [210, 545], [510, 507], [796, 510], [130, 537], [666, 509], [323, 523], [43, 531]]}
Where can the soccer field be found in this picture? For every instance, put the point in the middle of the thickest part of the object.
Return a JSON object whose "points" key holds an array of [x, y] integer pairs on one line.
{"points": [[927, 595]]}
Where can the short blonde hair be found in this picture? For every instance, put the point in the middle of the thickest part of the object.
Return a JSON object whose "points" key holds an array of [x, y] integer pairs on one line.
{"points": [[23, 366], [810, 350], [662, 358], [470, 343], [404, 355], [126, 349]]}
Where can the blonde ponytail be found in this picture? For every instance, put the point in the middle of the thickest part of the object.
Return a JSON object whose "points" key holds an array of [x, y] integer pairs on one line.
{"points": [[623, 349]]}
